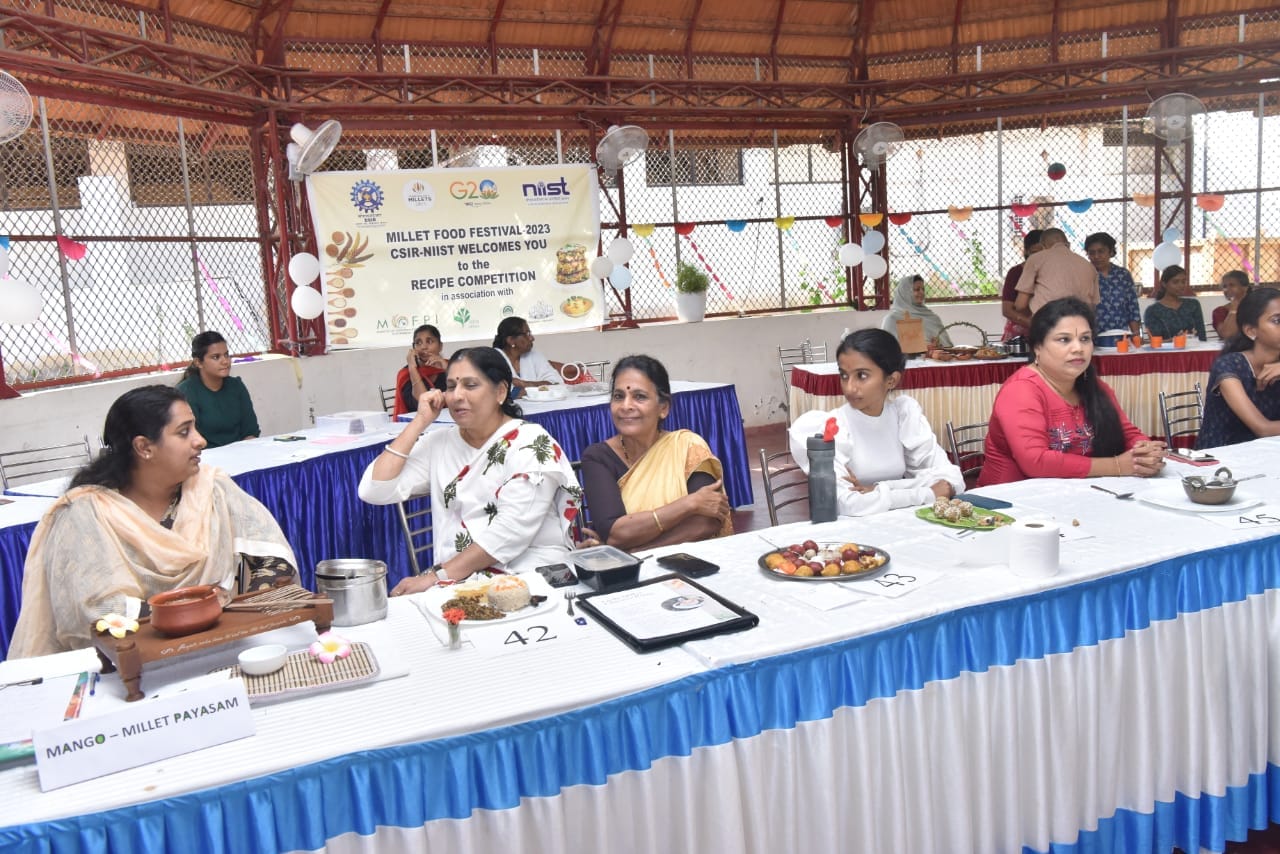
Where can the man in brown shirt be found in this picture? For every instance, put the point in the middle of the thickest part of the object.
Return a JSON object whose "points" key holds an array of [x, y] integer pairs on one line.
{"points": [[1054, 273]]}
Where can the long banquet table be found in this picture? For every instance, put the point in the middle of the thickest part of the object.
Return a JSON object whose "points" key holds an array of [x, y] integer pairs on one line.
{"points": [[963, 392], [310, 487], [1128, 703]]}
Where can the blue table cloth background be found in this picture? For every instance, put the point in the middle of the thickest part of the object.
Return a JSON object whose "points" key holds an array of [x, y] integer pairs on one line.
{"points": [[316, 504]]}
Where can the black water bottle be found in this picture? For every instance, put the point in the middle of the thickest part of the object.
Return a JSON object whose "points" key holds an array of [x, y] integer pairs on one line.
{"points": [[822, 479]]}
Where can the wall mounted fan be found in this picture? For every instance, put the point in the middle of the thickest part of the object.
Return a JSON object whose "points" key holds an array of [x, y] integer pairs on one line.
{"points": [[877, 143], [621, 145], [310, 148], [1171, 116], [15, 108]]}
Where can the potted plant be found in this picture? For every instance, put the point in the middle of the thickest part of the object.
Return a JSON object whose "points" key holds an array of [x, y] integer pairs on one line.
{"points": [[691, 292]]}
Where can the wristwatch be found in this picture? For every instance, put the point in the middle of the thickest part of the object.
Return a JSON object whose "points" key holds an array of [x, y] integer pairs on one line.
{"points": [[438, 571]]}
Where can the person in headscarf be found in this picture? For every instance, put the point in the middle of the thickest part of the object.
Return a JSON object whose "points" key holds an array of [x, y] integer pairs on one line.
{"points": [[908, 298]]}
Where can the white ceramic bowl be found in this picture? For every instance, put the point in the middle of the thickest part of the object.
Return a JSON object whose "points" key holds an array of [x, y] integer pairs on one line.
{"points": [[262, 660]]}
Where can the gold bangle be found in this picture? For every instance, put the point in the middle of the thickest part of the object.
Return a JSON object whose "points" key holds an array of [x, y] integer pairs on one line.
{"points": [[657, 521], [1119, 471]]}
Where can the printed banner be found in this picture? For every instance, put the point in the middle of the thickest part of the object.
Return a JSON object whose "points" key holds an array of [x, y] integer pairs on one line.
{"points": [[457, 248]]}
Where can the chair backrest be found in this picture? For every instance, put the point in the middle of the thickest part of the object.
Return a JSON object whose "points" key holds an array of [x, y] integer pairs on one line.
{"points": [[583, 519], [388, 399], [782, 475], [1180, 414], [415, 522], [804, 353], [966, 446], [815, 353], [40, 463]]}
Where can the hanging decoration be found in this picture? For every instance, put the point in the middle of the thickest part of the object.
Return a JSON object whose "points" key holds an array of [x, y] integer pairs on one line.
{"points": [[899, 218], [871, 220], [1024, 209], [1016, 222], [1210, 201], [1080, 205], [307, 302], [684, 229], [620, 250], [958, 214], [872, 242], [600, 267], [1057, 171], [851, 254], [644, 230], [620, 278], [784, 223], [76, 359], [736, 225], [873, 267], [1144, 200], [1235, 247], [71, 249], [834, 221], [1172, 234], [304, 268], [919, 250], [20, 303], [960, 232], [213, 286], [687, 234]]}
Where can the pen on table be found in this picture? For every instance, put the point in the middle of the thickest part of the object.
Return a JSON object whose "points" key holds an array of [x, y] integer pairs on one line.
{"points": [[93, 684], [36, 681]]}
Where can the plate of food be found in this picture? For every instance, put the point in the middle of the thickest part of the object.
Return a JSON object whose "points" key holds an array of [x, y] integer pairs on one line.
{"points": [[589, 389], [826, 561], [545, 393], [488, 601], [955, 513], [576, 306]]}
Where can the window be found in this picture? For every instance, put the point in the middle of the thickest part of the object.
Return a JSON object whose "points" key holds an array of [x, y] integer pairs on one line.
{"points": [[696, 166], [24, 175]]}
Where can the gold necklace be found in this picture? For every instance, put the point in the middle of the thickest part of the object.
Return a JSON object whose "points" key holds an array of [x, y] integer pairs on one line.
{"points": [[1062, 394], [626, 457]]}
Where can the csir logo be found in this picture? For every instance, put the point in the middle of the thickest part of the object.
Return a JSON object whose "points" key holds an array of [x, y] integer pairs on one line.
{"points": [[366, 196]]}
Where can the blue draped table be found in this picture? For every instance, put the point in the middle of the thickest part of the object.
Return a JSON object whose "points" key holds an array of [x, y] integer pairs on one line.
{"points": [[316, 504], [17, 522]]}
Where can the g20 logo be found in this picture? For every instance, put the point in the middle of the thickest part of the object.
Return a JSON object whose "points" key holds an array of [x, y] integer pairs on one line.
{"points": [[472, 190]]}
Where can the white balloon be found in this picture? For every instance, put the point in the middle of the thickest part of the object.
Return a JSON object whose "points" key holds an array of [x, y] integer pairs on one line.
{"points": [[601, 268], [4, 262], [620, 251], [20, 303], [304, 268], [873, 267], [1166, 255], [620, 278], [851, 255], [307, 303], [1171, 234], [872, 241]]}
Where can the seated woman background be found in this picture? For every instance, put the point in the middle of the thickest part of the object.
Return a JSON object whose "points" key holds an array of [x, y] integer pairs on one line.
{"points": [[1175, 309], [502, 493], [221, 403], [143, 518], [424, 368], [1055, 418], [528, 367], [1242, 401], [908, 298], [886, 453], [1235, 284], [649, 487]]}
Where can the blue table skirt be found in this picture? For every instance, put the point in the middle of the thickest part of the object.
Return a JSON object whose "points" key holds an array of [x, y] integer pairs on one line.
{"points": [[322, 517]]}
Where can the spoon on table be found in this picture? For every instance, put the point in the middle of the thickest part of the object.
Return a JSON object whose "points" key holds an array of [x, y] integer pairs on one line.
{"points": [[1110, 492]]}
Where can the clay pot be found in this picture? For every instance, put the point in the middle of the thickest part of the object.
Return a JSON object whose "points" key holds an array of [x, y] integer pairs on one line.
{"points": [[186, 610]]}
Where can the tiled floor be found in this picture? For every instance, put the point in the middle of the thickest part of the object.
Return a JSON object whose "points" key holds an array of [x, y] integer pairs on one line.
{"points": [[773, 438]]}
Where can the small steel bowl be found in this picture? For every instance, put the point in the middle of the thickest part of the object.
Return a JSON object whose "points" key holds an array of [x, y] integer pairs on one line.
{"points": [[1219, 490]]}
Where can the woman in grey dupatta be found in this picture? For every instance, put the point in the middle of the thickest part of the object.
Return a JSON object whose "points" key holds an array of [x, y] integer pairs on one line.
{"points": [[142, 518], [908, 298]]}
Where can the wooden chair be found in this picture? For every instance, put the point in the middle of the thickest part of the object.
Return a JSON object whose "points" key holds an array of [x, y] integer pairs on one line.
{"points": [[415, 522], [966, 446], [1180, 414], [388, 399], [781, 474], [40, 463], [805, 353]]}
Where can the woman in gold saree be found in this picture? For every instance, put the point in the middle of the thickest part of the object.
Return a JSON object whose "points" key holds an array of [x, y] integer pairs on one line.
{"points": [[645, 486]]}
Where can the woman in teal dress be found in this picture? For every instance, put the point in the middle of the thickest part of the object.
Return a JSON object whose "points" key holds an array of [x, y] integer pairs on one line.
{"points": [[1175, 310], [221, 403]]}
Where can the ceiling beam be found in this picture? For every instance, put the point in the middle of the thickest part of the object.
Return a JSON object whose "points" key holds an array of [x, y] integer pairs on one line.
{"points": [[1055, 30], [375, 34], [773, 41], [273, 44], [688, 38], [955, 36], [861, 38]]}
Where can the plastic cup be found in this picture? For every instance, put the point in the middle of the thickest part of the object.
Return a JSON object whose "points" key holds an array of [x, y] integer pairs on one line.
{"points": [[1157, 341], [1122, 346], [1137, 342], [1180, 341]]}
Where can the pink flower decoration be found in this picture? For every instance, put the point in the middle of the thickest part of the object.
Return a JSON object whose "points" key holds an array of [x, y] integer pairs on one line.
{"points": [[329, 647], [73, 250]]}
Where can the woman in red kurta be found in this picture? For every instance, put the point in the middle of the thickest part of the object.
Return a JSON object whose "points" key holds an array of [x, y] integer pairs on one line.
{"points": [[1055, 418]]}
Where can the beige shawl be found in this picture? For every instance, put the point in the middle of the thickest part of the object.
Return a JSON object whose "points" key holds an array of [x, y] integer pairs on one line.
{"points": [[95, 552]]}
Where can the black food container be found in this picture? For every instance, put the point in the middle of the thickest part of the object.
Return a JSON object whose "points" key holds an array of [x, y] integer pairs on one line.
{"points": [[605, 567]]}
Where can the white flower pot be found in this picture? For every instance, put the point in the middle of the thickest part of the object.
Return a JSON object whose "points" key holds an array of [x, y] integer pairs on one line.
{"points": [[691, 308]]}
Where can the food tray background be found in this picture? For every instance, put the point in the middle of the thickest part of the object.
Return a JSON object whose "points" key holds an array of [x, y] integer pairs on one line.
{"points": [[970, 524], [303, 674], [857, 576]]}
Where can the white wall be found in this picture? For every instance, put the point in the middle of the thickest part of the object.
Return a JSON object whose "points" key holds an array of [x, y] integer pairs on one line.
{"points": [[287, 393]]}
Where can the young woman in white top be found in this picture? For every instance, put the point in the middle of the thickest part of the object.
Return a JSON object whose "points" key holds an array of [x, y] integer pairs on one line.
{"points": [[886, 455]]}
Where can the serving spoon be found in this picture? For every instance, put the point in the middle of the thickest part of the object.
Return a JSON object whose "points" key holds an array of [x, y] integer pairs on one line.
{"points": [[1110, 492]]}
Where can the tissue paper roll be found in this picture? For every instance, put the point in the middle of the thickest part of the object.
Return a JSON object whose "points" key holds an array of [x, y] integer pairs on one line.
{"points": [[1033, 549]]}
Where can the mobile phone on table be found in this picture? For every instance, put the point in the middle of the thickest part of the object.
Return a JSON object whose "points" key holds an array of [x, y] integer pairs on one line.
{"points": [[558, 574], [694, 567], [290, 438], [986, 502]]}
